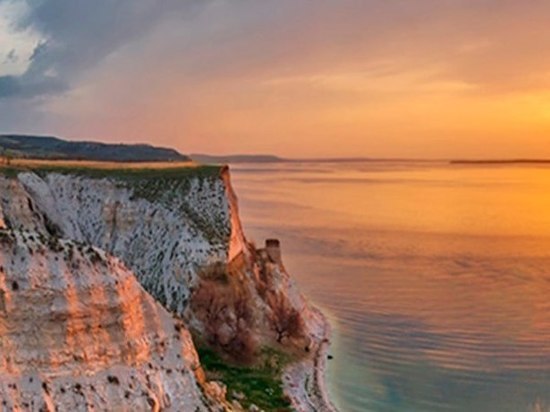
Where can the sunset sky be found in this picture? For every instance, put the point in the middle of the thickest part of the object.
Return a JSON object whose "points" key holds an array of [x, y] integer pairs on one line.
{"points": [[384, 78]]}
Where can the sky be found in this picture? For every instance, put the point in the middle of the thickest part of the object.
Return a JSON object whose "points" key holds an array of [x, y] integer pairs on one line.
{"points": [[298, 78]]}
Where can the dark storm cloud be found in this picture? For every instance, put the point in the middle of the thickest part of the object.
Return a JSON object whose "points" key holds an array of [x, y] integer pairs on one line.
{"points": [[79, 34]]}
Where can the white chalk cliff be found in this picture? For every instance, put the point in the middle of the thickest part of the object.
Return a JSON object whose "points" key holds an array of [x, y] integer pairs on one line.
{"points": [[94, 268], [78, 332]]}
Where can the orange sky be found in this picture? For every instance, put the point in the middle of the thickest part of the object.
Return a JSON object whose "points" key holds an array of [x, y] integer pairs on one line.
{"points": [[421, 78]]}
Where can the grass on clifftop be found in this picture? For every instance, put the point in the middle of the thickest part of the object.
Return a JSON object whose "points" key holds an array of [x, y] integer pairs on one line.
{"points": [[148, 180], [261, 384], [101, 170]]}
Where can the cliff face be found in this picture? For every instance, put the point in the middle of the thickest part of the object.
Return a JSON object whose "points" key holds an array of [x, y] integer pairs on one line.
{"points": [[181, 235], [77, 332], [163, 229], [179, 232]]}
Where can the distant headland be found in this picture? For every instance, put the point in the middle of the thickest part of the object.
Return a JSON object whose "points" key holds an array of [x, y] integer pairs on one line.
{"points": [[53, 148]]}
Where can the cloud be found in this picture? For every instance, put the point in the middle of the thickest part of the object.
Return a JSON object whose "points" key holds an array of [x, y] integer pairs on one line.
{"points": [[22, 87], [11, 57], [479, 42], [9, 86], [223, 72], [494, 45], [78, 34]]}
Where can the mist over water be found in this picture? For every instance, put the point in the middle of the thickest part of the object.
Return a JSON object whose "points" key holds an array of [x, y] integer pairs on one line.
{"points": [[436, 277]]}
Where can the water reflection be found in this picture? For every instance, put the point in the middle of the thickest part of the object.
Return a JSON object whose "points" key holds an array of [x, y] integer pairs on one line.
{"points": [[436, 276]]}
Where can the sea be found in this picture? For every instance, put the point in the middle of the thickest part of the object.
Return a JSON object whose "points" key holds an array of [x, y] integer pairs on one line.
{"points": [[435, 276]]}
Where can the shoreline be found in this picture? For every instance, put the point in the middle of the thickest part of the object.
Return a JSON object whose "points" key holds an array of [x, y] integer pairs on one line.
{"points": [[304, 381]]}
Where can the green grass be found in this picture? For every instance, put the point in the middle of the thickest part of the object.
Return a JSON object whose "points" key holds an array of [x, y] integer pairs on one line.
{"points": [[261, 384], [127, 173], [9, 171], [121, 173]]}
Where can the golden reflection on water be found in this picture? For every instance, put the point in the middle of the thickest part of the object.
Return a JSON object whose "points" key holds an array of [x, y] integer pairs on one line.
{"points": [[491, 200], [437, 276]]}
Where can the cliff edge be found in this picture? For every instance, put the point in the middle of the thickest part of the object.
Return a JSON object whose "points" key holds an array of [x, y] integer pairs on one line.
{"points": [[178, 232]]}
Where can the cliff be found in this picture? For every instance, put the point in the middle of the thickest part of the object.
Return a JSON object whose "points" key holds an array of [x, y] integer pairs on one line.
{"points": [[77, 332], [178, 231]]}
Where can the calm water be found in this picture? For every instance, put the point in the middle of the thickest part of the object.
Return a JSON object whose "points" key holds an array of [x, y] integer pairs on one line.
{"points": [[436, 277]]}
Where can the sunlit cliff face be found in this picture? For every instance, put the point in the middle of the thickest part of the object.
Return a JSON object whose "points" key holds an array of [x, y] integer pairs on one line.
{"points": [[75, 324], [423, 79]]}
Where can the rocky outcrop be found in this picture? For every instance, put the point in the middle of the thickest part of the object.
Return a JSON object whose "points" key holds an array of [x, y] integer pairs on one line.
{"points": [[78, 332], [178, 231]]}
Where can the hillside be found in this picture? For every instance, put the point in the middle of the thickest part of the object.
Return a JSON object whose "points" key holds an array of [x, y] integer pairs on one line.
{"points": [[45, 147]]}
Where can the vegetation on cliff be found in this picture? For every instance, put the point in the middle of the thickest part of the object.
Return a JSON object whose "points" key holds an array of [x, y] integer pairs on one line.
{"points": [[258, 384]]}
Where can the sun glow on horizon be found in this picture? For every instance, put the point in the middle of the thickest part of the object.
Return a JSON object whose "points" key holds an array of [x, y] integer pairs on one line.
{"points": [[295, 79]]}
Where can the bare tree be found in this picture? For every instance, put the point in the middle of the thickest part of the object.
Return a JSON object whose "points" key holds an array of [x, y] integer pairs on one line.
{"points": [[287, 321]]}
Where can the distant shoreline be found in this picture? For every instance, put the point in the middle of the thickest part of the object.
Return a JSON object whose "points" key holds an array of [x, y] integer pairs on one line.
{"points": [[502, 161], [273, 159]]}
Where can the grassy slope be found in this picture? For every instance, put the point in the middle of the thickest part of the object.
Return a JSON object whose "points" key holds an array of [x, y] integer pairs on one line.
{"points": [[261, 384]]}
